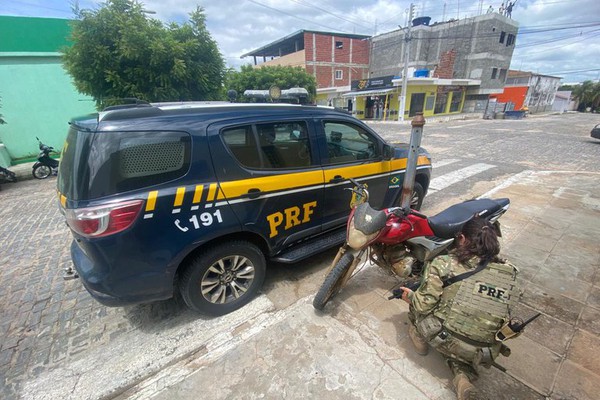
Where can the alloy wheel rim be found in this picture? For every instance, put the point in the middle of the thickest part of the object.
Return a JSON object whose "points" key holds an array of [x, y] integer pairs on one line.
{"points": [[227, 279], [414, 200], [42, 172]]}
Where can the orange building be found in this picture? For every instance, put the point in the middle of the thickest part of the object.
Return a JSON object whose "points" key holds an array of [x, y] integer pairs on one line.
{"points": [[512, 94]]}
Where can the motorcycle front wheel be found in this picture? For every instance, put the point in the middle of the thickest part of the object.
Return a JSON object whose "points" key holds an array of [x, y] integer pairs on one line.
{"points": [[41, 172], [333, 281]]}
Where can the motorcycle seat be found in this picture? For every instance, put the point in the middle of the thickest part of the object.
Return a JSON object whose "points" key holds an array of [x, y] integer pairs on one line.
{"points": [[448, 223], [368, 220]]}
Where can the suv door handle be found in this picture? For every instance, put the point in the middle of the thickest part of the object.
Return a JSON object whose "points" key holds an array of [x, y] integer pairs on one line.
{"points": [[337, 179], [254, 193]]}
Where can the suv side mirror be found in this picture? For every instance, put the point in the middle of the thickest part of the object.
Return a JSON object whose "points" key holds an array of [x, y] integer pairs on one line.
{"points": [[388, 152]]}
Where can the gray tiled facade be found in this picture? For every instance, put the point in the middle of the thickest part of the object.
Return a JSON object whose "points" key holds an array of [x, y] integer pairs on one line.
{"points": [[481, 43]]}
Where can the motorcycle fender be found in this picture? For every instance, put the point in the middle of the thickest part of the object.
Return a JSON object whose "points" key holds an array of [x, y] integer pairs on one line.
{"points": [[37, 164]]}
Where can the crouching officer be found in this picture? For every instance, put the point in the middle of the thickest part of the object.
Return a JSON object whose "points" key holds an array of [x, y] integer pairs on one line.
{"points": [[462, 306]]}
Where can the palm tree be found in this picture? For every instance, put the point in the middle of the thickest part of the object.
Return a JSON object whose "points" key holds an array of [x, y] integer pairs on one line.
{"points": [[587, 94]]}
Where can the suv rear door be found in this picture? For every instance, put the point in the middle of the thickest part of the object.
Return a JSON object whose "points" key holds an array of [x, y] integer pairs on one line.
{"points": [[268, 173]]}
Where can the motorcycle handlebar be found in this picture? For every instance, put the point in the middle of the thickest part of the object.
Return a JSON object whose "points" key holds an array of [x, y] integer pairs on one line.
{"points": [[401, 212], [354, 182]]}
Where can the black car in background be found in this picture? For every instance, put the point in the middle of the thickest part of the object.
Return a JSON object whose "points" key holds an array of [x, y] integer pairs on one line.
{"points": [[596, 132]]}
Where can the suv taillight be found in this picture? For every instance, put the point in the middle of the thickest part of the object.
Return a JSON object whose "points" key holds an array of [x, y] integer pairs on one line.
{"points": [[103, 220]]}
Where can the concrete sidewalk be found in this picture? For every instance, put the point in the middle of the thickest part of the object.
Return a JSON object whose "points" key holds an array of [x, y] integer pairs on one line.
{"points": [[23, 171], [359, 348]]}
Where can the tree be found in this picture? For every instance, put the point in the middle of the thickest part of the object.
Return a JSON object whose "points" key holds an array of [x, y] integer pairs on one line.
{"points": [[119, 53], [250, 78], [588, 95]]}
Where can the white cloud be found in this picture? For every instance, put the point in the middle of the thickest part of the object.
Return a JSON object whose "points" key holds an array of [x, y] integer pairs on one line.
{"points": [[240, 26]]}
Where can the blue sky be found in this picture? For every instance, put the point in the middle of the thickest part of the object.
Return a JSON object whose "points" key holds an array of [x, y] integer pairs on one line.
{"points": [[562, 39]]}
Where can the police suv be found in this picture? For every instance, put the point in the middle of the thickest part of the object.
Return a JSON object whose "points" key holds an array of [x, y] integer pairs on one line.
{"points": [[194, 197]]}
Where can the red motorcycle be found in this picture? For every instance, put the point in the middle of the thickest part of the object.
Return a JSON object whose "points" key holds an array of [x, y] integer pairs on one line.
{"points": [[394, 236]]}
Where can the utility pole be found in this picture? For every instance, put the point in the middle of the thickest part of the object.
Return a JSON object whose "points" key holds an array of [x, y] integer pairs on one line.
{"points": [[407, 40]]}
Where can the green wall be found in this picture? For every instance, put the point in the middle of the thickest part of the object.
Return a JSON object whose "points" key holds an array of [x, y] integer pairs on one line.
{"points": [[38, 97], [24, 34]]}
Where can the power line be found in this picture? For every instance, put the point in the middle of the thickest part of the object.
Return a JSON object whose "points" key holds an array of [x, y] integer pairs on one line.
{"points": [[307, 4], [394, 42], [552, 40], [564, 45], [573, 72], [44, 7], [297, 17]]}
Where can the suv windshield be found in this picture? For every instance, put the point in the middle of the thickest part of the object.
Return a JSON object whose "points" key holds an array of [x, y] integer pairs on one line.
{"points": [[98, 164]]}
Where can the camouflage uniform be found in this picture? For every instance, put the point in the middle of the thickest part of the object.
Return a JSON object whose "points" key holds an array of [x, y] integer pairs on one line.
{"points": [[461, 320]]}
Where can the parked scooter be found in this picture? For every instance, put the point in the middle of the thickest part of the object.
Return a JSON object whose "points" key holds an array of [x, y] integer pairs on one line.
{"points": [[45, 165], [7, 175], [394, 236]]}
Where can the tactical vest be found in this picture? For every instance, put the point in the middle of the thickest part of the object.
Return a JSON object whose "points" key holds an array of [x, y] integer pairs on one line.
{"points": [[479, 305]]}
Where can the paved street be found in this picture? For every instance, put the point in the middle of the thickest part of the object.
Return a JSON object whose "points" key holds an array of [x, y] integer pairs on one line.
{"points": [[59, 343]]}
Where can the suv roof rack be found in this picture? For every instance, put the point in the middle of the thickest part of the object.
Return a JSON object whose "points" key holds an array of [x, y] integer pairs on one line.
{"points": [[130, 102]]}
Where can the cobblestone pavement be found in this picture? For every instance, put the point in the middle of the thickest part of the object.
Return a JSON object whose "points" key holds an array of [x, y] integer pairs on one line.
{"points": [[44, 320], [47, 323]]}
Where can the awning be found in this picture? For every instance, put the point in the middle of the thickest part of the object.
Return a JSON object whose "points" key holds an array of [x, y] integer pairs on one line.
{"points": [[374, 92]]}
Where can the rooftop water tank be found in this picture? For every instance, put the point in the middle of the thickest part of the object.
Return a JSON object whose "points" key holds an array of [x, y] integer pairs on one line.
{"points": [[421, 73], [421, 21]]}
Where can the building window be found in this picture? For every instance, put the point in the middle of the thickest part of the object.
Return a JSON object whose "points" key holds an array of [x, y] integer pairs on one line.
{"points": [[494, 73], [339, 74], [441, 101], [339, 45], [502, 35], [510, 40], [502, 75], [456, 100]]}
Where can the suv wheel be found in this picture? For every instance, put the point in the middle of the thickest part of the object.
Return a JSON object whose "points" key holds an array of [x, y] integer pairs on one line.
{"points": [[416, 201], [223, 278]]}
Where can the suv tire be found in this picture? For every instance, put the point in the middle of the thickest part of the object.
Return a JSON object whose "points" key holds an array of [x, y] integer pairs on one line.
{"points": [[223, 278], [416, 201]]}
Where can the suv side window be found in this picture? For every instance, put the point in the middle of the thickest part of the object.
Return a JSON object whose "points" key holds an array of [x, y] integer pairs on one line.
{"points": [[242, 143], [347, 142], [275, 145], [116, 161]]}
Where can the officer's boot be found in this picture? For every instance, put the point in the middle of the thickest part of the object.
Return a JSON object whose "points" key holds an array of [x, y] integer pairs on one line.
{"points": [[464, 388], [418, 340]]}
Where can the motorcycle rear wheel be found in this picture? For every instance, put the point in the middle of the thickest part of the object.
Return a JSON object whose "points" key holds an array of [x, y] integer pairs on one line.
{"points": [[41, 172], [333, 281]]}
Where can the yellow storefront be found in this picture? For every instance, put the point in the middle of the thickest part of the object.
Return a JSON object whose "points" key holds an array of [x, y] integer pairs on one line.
{"points": [[431, 96]]}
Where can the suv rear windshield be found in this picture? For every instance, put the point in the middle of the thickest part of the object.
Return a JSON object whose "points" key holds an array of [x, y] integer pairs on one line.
{"points": [[98, 164]]}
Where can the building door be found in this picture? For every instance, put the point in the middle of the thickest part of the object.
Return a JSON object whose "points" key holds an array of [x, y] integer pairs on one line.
{"points": [[417, 103], [369, 107]]}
